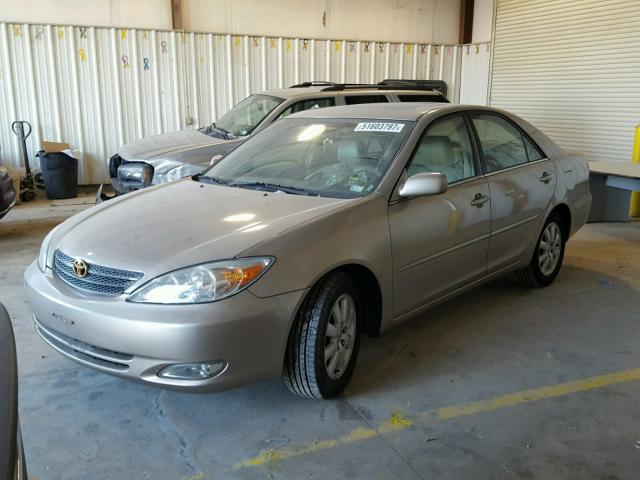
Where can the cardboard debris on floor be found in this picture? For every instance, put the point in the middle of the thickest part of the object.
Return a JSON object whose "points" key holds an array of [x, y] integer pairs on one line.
{"points": [[83, 200]]}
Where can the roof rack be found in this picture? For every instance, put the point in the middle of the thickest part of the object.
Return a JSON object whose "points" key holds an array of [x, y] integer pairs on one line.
{"points": [[319, 83], [331, 86], [346, 86], [438, 86]]}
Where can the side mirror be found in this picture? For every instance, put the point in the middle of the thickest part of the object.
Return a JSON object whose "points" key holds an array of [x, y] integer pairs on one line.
{"points": [[422, 184], [215, 159]]}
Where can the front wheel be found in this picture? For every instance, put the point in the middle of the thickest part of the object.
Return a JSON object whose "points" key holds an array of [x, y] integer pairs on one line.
{"points": [[547, 258], [323, 343]]}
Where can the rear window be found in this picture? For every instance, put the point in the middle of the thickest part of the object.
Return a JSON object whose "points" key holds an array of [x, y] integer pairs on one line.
{"points": [[532, 151], [421, 98], [357, 99]]}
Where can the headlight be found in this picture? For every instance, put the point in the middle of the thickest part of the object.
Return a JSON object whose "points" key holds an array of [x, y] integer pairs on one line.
{"points": [[137, 173], [44, 249], [204, 283]]}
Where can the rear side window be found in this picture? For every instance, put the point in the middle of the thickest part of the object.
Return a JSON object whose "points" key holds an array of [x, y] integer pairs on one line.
{"points": [[308, 105], [502, 143], [532, 151], [356, 99], [421, 98]]}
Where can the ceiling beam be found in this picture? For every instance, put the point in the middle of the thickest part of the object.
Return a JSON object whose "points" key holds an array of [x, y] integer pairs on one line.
{"points": [[176, 14]]}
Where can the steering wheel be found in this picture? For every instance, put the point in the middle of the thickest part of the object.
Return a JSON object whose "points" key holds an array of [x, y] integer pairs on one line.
{"points": [[360, 168], [331, 174]]}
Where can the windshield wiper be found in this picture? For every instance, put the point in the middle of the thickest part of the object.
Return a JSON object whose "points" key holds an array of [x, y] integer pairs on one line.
{"points": [[272, 187], [214, 131], [199, 177], [225, 131]]}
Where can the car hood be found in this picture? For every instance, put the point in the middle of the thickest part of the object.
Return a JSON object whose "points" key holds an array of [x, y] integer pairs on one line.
{"points": [[183, 223], [169, 143]]}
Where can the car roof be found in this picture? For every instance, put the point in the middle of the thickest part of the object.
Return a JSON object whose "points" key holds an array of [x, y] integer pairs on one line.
{"points": [[407, 111], [321, 91]]}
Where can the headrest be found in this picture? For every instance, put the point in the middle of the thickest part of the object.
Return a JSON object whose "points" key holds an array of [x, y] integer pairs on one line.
{"points": [[437, 149], [349, 152]]}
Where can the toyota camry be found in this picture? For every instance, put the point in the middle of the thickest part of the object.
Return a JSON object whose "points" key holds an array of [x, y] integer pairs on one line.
{"points": [[324, 226]]}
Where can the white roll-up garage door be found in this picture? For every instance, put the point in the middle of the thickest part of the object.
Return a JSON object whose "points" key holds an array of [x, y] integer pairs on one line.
{"points": [[572, 68]]}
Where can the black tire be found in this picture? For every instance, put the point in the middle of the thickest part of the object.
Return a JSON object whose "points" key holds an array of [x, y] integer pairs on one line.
{"points": [[533, 275], [304, 372]]}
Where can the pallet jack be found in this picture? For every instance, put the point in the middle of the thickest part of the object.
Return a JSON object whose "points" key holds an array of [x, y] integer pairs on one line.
{"points": [[27, 182]]}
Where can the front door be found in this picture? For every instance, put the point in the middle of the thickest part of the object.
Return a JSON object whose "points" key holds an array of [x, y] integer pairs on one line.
{"points": [[521, 180], [439, 243]]}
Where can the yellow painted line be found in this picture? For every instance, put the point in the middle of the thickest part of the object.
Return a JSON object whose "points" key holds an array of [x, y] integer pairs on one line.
{"points": [[397, 421]]}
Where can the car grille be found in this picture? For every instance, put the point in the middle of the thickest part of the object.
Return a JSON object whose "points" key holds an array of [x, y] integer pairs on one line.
{"points": [[99, 280], [83, 352]]}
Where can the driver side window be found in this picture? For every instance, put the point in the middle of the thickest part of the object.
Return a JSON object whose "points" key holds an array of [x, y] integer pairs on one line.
{"points": [[445, 148]]}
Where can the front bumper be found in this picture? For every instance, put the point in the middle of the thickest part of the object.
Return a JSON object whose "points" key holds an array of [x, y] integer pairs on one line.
{"points": [[7, 195], [6, 209], [118, 188], [136, 341], [121, 187]]}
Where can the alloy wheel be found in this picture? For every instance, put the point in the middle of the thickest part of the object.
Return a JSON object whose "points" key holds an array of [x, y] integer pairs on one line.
{"points": [[550, 249], [340, 336]]}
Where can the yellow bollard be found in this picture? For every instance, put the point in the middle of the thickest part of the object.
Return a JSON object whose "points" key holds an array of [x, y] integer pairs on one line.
{"points": [[634, 207]]}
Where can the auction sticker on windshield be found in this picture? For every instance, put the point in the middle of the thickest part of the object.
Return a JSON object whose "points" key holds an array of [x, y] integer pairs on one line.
{"points": [[379, 127]]}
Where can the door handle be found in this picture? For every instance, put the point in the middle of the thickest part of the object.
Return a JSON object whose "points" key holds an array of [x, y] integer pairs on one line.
{"points": [[546, 177], [479, 200]]}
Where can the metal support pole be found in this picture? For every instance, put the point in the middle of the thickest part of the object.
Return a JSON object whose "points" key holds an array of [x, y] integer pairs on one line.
{"points": [[634, 208]]}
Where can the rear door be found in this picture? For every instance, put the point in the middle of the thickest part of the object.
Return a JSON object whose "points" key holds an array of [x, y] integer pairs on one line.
{"points": [[439, 243], [521, 180]]}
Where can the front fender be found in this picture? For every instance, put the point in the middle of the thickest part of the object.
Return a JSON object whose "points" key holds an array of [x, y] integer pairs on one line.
{"points": [[356, 234]]}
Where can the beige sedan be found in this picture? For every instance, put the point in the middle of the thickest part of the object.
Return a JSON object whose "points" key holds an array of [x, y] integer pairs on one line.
{"points": [[326, 225]]}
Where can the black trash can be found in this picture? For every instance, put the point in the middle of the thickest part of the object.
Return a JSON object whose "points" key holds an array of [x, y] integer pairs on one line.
{"points": [[60, 173]]}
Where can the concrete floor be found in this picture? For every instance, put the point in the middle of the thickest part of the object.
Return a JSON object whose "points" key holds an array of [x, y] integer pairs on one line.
{"points": [[501, 338]]}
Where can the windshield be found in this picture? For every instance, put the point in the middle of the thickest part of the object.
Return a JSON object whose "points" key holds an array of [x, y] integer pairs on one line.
{"points": [[340, 158], [247, 115]]}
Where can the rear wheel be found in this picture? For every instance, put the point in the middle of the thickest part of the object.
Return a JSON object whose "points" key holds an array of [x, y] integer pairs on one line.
{"points": [[324, 341], [547, 258]]}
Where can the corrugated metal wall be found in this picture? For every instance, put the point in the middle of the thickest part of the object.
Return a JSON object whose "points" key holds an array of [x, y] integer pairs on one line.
{"points": [[474, 75], [98, 88], [572, 69]]}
